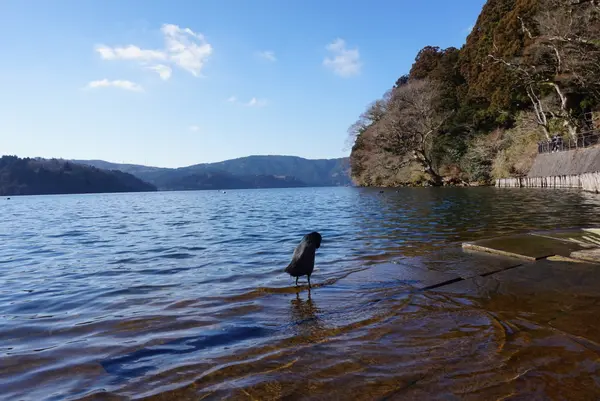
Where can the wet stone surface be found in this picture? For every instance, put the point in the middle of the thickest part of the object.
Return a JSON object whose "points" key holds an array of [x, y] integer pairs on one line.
{"points": [[394, 274], [538, 277], [465, 263]]}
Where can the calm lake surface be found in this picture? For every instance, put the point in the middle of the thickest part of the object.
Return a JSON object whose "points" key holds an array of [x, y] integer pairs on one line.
{"points": [[182, 295]]}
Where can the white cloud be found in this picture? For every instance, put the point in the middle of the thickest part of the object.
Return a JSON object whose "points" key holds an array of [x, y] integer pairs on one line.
{"points": [[187, 49], [254, 102], [184, 48], [129, 53], [123, 84], [267, 55], [342, 61], [164, 71], [194, 128]]}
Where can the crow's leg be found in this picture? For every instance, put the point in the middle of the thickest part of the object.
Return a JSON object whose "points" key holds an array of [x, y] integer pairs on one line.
{"points": [[296, 281], [309, 281]]}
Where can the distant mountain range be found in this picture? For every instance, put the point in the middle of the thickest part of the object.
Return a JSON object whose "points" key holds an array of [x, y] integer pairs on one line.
{"points": [[245, 172], [37, 176]]}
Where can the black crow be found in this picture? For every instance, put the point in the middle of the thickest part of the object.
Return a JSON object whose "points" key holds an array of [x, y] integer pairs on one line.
{"points": [[303, 260]]}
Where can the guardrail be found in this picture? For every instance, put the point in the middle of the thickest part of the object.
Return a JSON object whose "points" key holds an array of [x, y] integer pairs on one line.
{"points": [[558, 144]]}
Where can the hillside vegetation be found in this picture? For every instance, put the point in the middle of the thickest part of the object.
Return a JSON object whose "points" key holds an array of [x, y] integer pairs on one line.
{"points": [[529, 70], [42, 177]]}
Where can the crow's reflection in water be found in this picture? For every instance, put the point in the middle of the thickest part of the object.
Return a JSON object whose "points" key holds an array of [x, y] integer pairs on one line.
{"points": [[305, 316]]}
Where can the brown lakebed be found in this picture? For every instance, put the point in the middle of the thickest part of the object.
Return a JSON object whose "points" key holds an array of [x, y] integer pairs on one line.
{"points": [[122, 319]]}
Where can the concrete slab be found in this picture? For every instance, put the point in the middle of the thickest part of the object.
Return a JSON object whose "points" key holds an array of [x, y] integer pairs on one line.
{"points": [[398, 274], [566, 259], [557, 280], [591, 255], [587, 237], [525, 246], [463, 262]]}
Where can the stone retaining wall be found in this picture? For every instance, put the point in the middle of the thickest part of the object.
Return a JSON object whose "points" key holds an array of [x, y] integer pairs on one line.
{"points": [[569, 162], [579, 168]]}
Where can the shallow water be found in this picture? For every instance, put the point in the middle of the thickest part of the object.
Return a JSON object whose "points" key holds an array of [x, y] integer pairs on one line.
{"points": [[182, 295]]}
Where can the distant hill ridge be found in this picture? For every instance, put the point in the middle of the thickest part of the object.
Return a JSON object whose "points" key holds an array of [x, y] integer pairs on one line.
{"points": [[245, 172], [43, 177]]}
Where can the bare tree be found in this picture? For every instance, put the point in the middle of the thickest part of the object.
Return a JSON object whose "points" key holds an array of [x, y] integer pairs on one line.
{"points": [[373, 114], [411, 125], [563, 58], [569, 38], [570, 29]]}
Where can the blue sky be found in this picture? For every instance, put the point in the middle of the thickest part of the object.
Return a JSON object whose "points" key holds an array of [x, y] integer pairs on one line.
{"points": [[174, 83]]}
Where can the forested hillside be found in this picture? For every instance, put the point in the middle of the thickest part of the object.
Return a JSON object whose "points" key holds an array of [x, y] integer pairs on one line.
{"points": [[530, 70], [42, 177]]}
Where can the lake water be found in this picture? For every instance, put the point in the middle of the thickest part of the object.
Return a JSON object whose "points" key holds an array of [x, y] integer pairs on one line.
{"points": [[182, 295]]}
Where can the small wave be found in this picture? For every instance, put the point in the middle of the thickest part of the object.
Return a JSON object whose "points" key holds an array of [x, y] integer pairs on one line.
{"points": [[126, 261], [164, 271], [136, 290], [194, 248], [74, 233], [180, 255], [142, 361], [179, 223]]}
